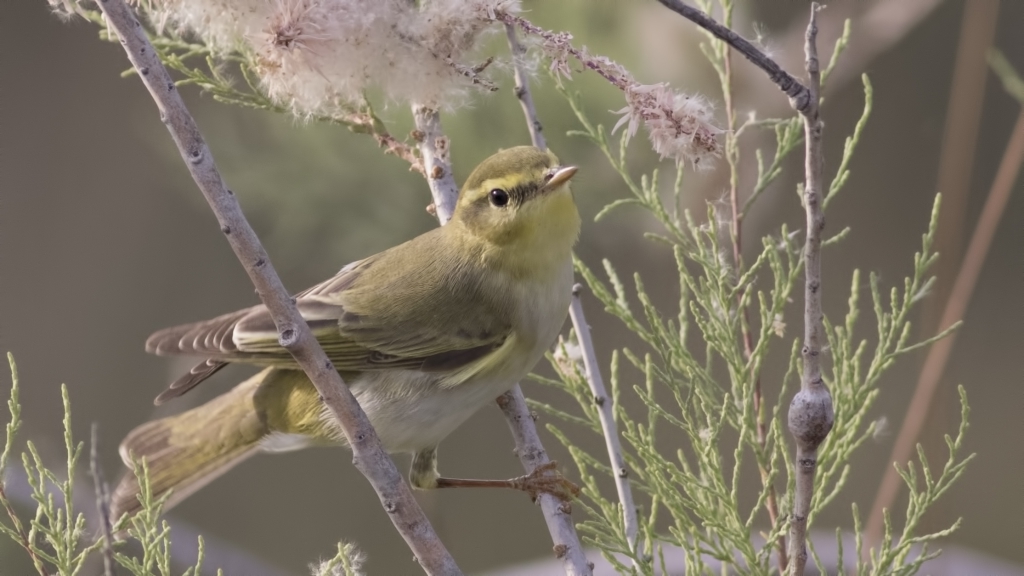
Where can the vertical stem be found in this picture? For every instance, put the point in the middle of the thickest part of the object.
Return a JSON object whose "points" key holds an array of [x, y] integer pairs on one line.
{"points": [[557, 514], [520, 420], [736, 232], [810, 414], [523, 89], [605, 411], [434, 146], [437, 163]]}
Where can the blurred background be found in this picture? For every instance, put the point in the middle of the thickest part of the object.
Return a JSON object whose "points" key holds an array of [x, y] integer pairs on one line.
{"points": [[104, 239]]}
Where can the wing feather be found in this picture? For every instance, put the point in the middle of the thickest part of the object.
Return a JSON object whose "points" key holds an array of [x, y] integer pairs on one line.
{"points": [[358, 329]]}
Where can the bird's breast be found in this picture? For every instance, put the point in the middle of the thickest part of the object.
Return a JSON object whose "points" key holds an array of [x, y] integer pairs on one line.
{"points": [[413, 410]]}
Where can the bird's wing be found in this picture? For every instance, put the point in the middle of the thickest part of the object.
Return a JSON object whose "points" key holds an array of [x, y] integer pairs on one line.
{"points": [[216, 338], [358, 328]]}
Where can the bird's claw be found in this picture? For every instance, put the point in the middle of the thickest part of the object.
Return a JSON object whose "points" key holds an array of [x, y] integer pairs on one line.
{"points": [[546, 479]]}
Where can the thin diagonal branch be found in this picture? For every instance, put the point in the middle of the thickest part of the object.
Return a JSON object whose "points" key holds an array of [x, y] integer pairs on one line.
{"points": [[531, 452], [294, 334], [523, 89], [956, 163], [557, 514], [963, 287], [810, 414], [605, 412], [437, 164], [800, 96]]}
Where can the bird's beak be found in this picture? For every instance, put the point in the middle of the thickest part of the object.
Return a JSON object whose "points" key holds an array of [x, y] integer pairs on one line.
{"points": [[559, 176]]}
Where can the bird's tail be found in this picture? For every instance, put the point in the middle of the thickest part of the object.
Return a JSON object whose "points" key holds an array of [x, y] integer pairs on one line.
{"points": [[185, 452]]}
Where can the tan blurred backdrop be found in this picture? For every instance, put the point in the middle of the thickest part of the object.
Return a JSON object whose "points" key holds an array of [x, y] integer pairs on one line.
{"points": [[103, 239]]}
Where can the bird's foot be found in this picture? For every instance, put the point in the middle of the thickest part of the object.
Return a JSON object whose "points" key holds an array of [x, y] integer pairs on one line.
{"points": [[546, 479]]}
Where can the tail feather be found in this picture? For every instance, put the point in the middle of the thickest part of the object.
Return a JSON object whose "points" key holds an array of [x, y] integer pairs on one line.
{"points": [[185, 452], [195, 377]]}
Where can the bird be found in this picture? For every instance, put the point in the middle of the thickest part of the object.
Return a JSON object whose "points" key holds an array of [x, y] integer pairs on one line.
{"points": [[424, 333]]}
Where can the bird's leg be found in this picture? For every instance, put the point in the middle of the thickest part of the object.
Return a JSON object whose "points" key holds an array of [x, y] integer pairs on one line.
{"points": [[423, 471], [544, 479]]}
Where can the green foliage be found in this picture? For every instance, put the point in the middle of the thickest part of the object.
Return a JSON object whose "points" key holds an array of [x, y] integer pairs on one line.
{"points": [[893, 556], [153, 535], [58, 539], [347, 562], [699, 374]]}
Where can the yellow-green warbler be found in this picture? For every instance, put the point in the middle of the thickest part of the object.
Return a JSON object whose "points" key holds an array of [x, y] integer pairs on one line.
{"points": [[424, 333]]}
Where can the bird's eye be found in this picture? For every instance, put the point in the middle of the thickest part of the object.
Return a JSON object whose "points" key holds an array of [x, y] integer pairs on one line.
{"points": [[499, 197]]}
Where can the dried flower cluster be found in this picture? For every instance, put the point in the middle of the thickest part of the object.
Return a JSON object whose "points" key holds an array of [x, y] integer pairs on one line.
{"points": [[679, 126], [316, 56]]}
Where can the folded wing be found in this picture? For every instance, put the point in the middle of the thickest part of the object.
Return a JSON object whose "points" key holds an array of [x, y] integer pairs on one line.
{"points": [[357, 332]]}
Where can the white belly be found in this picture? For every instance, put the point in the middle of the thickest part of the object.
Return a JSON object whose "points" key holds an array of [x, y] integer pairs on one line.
{"points": [[413, 410]]}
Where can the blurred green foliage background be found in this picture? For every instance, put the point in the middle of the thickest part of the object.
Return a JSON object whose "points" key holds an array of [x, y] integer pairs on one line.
{"points": [[104, 239]]}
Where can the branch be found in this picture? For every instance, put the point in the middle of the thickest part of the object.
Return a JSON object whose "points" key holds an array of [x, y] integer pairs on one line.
{"points": [[437, 163], [605, 411], [512, 403], [366, 122], [801, 97], [557, 514], [294, 334], [523, 89], [810, 414]]}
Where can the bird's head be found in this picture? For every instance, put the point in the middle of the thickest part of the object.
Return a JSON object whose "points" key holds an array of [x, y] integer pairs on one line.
{"points": [[519, 201]]}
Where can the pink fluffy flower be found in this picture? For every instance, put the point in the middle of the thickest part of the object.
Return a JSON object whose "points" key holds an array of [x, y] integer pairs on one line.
{"points": [[678, 125]]}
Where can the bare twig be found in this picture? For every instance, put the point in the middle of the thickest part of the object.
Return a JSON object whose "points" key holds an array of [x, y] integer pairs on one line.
{"points": [[523, 89], [531, 452], [366, 122], [102, 503], [800, 96], [956, 306], [810, 414], [294, 334], [557, 513], [434, 148], [605, 412], [512, 403]]}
